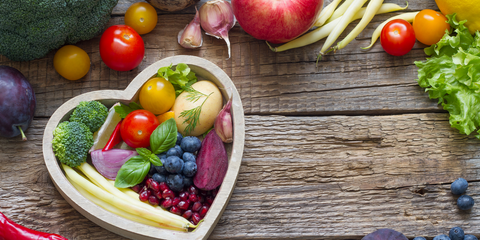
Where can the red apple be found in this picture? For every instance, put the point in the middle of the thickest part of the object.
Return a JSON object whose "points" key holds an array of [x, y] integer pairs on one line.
{"points": [[276, 21]]}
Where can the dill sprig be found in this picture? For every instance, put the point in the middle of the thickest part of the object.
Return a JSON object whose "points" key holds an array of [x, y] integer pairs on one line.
{"points": [[192, 115]]}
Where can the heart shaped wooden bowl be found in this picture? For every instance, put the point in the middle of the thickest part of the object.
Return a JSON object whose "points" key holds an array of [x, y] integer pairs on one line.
{"points": [[204, 70]]}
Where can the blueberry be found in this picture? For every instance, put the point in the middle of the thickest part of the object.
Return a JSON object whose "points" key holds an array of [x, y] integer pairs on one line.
{"points": [[189, 157], [152, 169], [191, 144], [161, 169], [441, 237], [459, 186], [173, 164], [175, 182], [189, 169], [179, 138], [419, 238], [175, 152], [162, 155], [159, 177], [187, 182], [470, 237], [465, 202], [456, 233]]}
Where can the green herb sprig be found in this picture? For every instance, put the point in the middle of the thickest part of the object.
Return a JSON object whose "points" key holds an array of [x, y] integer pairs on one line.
{"points": [[193, 115]]}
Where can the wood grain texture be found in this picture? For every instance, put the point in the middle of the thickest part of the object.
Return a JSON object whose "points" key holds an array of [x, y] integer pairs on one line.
{"points": [[351, 81], [335, 177]]}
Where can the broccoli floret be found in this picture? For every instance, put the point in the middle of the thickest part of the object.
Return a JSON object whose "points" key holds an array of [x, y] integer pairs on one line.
{"points": [[30, 29], [71, 142], [92, 114]]}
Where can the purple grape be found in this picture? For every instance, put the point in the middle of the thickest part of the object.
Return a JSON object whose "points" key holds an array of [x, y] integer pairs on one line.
{"points": [[17, 102]]}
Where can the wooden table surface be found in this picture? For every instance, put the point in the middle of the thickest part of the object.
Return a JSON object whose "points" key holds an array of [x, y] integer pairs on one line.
{"points": [[330, 153]]}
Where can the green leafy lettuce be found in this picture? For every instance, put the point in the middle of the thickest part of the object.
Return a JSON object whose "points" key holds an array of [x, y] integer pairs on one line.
{"points": [[452, 75]]}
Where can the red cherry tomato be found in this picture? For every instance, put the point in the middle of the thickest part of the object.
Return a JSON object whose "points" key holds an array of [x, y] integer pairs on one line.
{"points": [[137, 127], [397, 37], [121, 48]]}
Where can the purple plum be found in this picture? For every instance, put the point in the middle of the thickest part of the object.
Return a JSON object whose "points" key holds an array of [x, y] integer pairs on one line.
{"points": [[17, 103], [385, 234]]}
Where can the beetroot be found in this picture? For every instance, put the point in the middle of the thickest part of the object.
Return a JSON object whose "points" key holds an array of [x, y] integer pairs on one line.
{"points": [[212, 162]]}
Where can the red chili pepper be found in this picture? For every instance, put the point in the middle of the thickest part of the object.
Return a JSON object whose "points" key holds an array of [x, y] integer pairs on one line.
{"points": [[115, 138], [12, 230]]}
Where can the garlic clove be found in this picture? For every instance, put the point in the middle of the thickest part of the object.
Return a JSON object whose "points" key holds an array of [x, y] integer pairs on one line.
{"points": [[191, 35], [216, 18], [223, 123]]}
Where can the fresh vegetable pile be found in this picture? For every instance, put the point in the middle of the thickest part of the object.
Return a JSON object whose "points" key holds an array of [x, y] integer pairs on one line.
{"points": [[144, 168], [452, 75]]}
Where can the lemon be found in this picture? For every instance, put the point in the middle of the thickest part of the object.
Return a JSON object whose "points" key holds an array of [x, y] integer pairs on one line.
{"points": [[101, 137], [466, 10]]}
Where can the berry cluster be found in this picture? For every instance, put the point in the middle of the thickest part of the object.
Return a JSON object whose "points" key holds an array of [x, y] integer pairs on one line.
{"points": [[459, 187], [171, 186], [455, 233], [191, 203]]}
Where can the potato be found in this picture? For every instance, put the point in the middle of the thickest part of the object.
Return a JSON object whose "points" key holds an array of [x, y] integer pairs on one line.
{"points": [[209, 112]]}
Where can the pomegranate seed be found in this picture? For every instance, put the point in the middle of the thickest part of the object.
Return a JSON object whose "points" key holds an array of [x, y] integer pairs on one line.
{"points": [[196, 206], [137, 188], [155, 186], [167, 193], [176, 201], [193, 198], [149, 180], [166, 203], [183, 196], [158, 194], [163, 186], [153, 200], [183, 205], [206, 204], [144, 194], [210, 199], [192, 190], [203, 211], [176, 210], [187, 214], [204, 192], [196, 218]]}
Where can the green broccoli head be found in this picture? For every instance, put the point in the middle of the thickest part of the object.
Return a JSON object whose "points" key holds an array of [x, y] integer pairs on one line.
{"points": [[71, 142], [30, 29], [92, 114]]}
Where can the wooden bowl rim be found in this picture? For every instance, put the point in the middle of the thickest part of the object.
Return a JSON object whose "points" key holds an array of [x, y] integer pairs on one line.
{"points": [[127, 227]]}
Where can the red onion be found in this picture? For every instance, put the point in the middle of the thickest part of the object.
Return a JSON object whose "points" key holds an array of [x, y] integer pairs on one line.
{"points": [[109, 162]]}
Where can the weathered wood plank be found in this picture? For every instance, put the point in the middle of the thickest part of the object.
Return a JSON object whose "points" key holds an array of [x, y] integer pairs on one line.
{"points": [[349, 82], [301, 177]]}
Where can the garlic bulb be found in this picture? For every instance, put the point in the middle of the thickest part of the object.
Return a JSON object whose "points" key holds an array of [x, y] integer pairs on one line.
{"points": [[191, 35], [216, 18], [223, 123]]}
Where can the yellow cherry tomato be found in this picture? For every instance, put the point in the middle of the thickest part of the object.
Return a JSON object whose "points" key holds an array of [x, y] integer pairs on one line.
{"points": [[157, 95], [430, 26], [142, 17], [71, 62]]}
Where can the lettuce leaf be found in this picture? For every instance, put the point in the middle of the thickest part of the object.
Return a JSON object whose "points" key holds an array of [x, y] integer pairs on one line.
{"points": [[452, 75]]}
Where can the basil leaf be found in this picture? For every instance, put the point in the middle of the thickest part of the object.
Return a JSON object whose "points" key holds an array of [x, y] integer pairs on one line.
{"points": [[123, 110], [164, 136], [132, 172], [145, 153], [155, 160]]}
